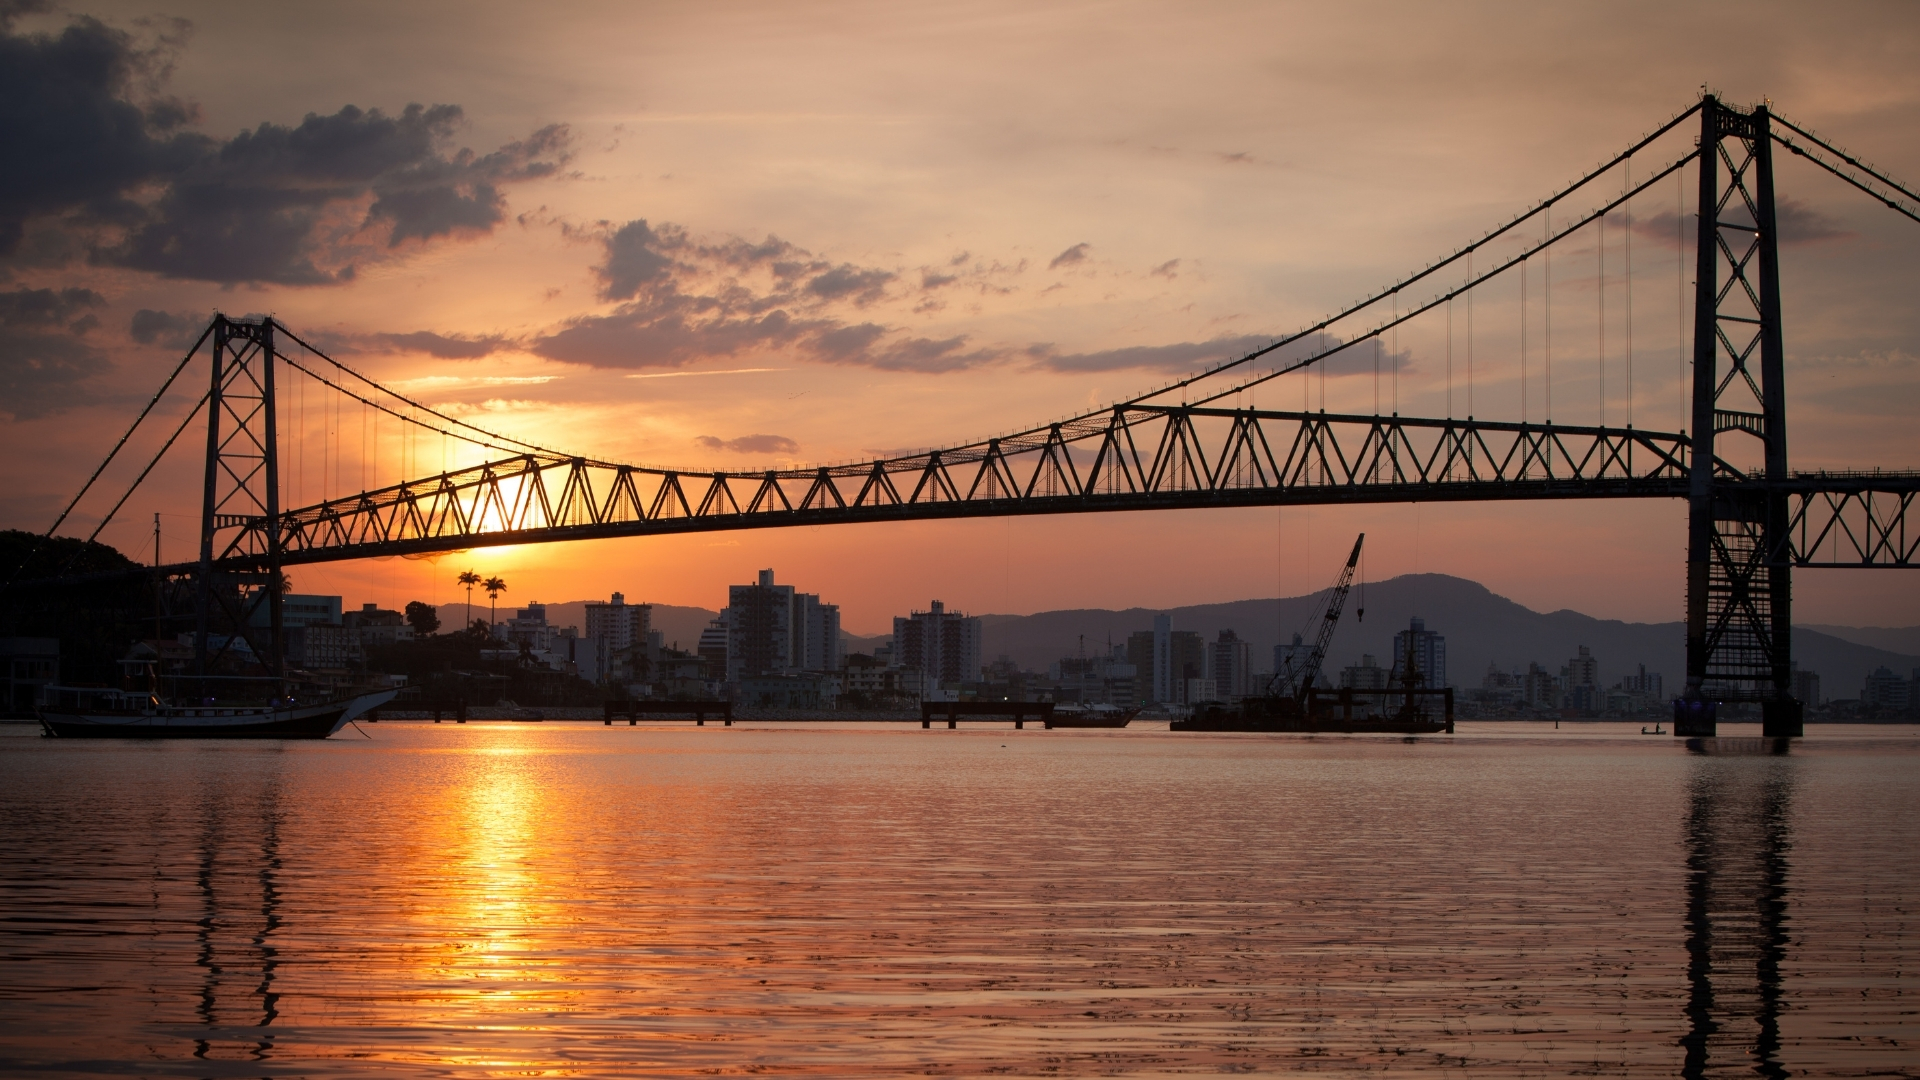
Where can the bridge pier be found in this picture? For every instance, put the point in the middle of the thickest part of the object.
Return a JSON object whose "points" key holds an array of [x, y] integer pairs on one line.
{"points": [[1782, 718]]}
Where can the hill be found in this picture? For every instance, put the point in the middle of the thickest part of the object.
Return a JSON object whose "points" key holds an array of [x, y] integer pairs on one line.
{"points": [[1481, 628]]}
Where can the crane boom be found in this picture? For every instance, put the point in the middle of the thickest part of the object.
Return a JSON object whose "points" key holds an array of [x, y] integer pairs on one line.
{"points": [[1299, 685]]}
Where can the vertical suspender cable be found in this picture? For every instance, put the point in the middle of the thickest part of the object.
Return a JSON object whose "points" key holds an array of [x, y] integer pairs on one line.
{"points": [[1629, 254], [1601, 354]]}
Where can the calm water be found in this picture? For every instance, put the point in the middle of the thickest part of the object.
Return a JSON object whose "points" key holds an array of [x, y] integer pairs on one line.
{"points": [[576, 900]]}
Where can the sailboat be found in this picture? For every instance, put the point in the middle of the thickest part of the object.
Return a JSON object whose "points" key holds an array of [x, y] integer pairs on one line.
{"points": [[96, 713]]}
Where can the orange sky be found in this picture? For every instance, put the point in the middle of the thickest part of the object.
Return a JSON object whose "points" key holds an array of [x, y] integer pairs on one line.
{"points": [[991, 198]]}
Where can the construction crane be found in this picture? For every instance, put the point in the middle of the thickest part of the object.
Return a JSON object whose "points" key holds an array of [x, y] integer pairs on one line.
{"points": [[1296, 685]]}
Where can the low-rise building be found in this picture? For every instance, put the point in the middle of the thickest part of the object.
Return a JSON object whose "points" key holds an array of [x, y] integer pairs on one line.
{"points": [[795, 690], [28, 663], [1806, 687], [376, 625], [875, 683], [1365, 675]]}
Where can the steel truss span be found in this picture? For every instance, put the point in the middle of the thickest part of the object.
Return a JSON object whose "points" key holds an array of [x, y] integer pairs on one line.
{"points": [[1138, 457]]}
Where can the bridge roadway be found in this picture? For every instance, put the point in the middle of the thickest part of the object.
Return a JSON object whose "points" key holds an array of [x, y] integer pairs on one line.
{"points": [[1138, 458]]}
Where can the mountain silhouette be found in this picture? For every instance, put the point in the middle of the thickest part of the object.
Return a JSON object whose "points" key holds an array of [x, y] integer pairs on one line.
{"points": [[1481, 628]]}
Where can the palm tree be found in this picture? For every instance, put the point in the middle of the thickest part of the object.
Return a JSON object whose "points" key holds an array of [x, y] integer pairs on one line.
{"points": [[469, 579], [494, 586]]}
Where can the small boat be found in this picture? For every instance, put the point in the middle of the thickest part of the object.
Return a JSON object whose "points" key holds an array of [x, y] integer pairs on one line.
{"points": [[1656, 729], [93, 713], [1090, 716]]}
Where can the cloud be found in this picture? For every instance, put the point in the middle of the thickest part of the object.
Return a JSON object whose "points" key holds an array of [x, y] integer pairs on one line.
{"points": [[1168, 269], [492, 406], [683, 301], [174, 330], [850, 282], [1802, 224], [694, 374], [43, 348], [94, 149], [443, 346], [635, 256], [751, 444], [1075, 254], [1182, 357], [1798, 223], [463, 382]]}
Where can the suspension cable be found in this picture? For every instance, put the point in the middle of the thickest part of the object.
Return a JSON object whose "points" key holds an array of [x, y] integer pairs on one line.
{"points": [[1549, 238], [184, 421], [323, 380], [1850, 160], [178, 368], [1430, 270], [423, 408]]}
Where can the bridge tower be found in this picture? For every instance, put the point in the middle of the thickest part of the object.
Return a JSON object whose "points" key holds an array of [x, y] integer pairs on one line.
{"points": [[1739, 577], [242, 489]]}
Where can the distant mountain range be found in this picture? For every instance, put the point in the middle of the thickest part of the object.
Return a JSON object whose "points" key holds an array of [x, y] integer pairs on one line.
{"points": [[1481, 628]]}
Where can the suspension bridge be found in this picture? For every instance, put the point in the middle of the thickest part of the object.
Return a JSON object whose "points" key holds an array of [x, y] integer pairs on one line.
{"points": [[1196, 442]]}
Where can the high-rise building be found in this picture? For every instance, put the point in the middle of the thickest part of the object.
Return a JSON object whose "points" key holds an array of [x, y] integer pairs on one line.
{"points": [[943, 646], [712, 648], [1539, 688], [759, 628], [1229, 663], [618, 625], [1290, 665], [1166, 659], [820, 647], [1885, 691], [1650, 684], [1583, 670], [772, 629], [1806, 686], [1429, 654]]}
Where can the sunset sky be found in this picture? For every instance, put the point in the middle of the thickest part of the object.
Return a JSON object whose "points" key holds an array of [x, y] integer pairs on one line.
{"points": [[740, 235]]}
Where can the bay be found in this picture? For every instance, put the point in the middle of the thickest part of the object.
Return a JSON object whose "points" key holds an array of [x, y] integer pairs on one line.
{"points": [[498, 899]]}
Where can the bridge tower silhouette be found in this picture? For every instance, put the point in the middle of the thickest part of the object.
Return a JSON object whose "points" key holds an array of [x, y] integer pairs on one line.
{"points": [[1751, 519], [1739, 570]]}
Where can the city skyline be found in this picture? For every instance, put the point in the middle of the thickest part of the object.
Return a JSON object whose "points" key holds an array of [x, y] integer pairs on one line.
{"points": [[1109, 242]]}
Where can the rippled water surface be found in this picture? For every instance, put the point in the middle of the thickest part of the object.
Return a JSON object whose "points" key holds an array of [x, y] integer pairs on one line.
{"points": [[576, 900]]}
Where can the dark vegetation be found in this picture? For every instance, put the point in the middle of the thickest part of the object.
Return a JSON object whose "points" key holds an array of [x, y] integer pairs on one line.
{"points": [[465, 666], [94, 599]]}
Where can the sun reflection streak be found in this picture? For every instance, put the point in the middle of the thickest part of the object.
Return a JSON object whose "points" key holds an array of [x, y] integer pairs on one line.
{"points": [[495, 900]]}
